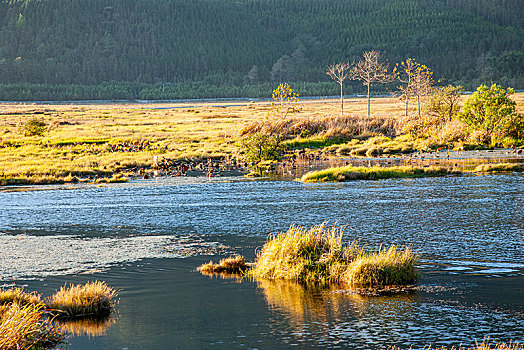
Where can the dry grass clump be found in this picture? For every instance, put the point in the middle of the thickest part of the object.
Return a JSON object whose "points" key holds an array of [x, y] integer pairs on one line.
{"points": [[27, 327], [348, 173], [385, 267], [93, 299], [317, 255], [499, 167], [234, 264], [19, 296]]}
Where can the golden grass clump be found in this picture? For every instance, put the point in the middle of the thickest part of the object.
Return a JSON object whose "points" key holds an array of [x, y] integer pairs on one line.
{"points": [[19, 296], [347, 173], [93, 299], [234, 264], [318, 255], [27, 327], [385, 267]]}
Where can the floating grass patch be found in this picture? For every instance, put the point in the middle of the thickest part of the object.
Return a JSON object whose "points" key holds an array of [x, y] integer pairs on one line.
{"points": [[348, 173], [485, 345], [93, 299], [234, 264], [499, 167], [27, 327], [318, 255]]}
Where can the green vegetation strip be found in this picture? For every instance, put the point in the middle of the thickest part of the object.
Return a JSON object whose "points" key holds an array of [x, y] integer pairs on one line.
{"points": [[347, 173]]}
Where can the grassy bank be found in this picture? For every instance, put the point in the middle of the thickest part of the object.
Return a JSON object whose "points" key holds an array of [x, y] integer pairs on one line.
{"points": [[318, 255], [90, 142]]}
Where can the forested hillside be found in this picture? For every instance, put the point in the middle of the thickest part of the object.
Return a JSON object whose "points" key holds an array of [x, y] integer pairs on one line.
{"points": [[212, 46]]}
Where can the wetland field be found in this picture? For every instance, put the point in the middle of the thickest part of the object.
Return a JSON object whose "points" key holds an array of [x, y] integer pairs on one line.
{"points": [[175, 196]]}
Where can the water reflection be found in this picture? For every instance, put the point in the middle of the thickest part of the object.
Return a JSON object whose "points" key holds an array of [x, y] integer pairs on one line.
{"points": [[87, 327]]}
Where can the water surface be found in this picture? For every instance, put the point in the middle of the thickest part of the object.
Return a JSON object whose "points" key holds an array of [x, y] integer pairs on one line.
{"points": [[146, 238]]}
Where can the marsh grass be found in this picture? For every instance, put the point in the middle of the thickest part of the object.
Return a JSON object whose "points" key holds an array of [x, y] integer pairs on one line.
{"points": [[348, 173], [93, 299], [317, 255], [27, 327], [232, 265], [19, 296]]}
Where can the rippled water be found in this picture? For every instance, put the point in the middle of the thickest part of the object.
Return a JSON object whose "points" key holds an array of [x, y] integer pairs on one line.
{"points": [[146, 238]]}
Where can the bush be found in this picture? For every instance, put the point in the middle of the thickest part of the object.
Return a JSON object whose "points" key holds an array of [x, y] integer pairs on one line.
{"points": [[34, 127], [491, 111]]}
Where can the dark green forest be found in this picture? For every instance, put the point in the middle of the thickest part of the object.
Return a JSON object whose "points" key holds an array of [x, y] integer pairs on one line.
{"points": [[162, 49]]}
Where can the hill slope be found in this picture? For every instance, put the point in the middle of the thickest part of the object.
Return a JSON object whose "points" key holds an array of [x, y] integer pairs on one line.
{"points": [[253, 41]]}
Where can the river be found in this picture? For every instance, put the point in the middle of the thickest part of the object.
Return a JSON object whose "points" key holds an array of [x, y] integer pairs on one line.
{"points": [[146, 237]]}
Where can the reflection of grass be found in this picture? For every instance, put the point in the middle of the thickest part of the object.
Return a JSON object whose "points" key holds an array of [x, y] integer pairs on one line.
{"points": [[317, 255], [93, 299], [89, 327], [27, 327]]}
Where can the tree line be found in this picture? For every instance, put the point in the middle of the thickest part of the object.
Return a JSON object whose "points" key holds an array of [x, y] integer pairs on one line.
{"points": [[251, 42]]}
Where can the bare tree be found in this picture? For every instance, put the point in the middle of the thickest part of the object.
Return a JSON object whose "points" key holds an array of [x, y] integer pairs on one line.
{"points": [[370, 70], [339, 72]]}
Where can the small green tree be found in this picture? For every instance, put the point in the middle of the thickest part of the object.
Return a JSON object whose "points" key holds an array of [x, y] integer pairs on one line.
{"points": [[492, 111], [262, 145], [34, 127]]}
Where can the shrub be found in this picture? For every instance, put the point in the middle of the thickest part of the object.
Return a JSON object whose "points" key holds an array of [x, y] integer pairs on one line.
{"points": [[34, 127], [492, 111], [93, 299]]}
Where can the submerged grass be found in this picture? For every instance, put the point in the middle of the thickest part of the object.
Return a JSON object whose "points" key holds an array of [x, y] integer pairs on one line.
{"points": [[348, 173], [93, 299], [318, 255], [27, 327], [234, 264]]}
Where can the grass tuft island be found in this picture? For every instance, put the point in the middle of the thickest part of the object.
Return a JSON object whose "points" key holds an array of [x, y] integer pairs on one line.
{"points": [[319, 256]]}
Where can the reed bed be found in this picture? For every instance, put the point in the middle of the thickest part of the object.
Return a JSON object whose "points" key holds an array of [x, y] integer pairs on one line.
{"points": [[348, 173], [318, 255], [93, 299], [234, 265], [27, 327]]}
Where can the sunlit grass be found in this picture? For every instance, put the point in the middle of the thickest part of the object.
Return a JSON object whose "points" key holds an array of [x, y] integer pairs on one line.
{"points": [[27, 327], [348, 173], [499, 167], [93, 299], [234, 264], [19, 296], [318, 255]]}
